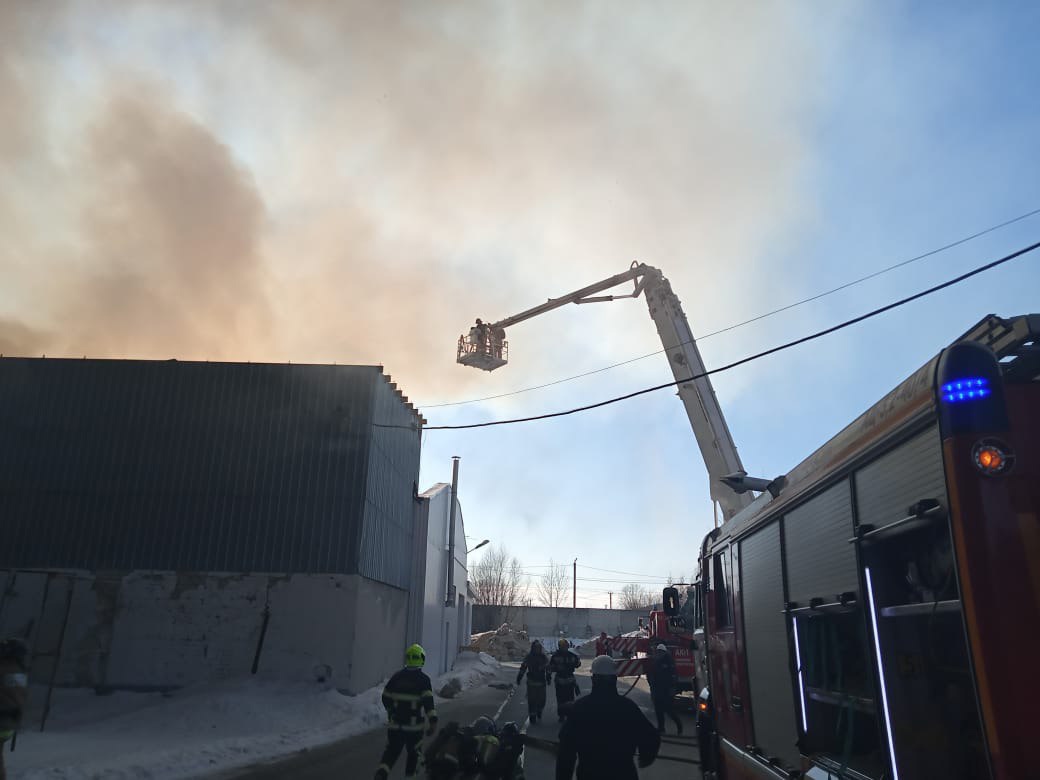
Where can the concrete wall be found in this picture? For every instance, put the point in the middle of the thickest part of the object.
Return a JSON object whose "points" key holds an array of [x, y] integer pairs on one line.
{"points": [[444, 628], [148, 630], [550, 621]]}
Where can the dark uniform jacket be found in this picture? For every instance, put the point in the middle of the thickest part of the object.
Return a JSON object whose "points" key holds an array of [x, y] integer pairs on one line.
{"points": [[562, 664], [602, 734], [408, 698], [536, 666], [662, 675], [13, 693]]}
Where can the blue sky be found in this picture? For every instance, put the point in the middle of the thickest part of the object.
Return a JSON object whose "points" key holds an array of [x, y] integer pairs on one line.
{"points": [[357, 183]]}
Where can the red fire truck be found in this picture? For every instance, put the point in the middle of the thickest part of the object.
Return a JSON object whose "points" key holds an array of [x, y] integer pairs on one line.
{"points": [[880, 616], [677, 628]]}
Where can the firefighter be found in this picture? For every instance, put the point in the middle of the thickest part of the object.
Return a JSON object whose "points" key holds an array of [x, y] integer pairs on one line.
{"points": [[603, 644], [663, 678], [506, 764], [605, 731], [563, 663], [536, 667], [408, 699], [475, 752], [14, 689]]}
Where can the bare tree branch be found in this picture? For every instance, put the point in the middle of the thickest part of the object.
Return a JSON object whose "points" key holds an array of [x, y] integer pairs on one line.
{"points": [[634, 596], [553, 584], [498, 579]]}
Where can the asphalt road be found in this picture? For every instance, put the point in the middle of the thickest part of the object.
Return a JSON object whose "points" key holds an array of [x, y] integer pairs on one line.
{"points": [[358, 756]]}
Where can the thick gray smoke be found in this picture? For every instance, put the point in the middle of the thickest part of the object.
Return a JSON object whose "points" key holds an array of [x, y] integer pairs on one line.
{"points": [[355, 182]]}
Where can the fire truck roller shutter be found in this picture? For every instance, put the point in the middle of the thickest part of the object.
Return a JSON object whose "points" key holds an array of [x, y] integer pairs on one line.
{"points": [[765, 629], [820, 561], [886, 488]]}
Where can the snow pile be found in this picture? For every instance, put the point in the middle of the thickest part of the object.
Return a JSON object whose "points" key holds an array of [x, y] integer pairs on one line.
{"points": [[202, 728], [504, 644], [471, 669]]}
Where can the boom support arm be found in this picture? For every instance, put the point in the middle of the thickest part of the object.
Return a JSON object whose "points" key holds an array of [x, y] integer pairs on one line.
{"points": [[580, 296]]}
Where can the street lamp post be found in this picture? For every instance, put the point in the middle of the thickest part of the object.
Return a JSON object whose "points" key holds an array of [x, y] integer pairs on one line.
{"points": [[478, 546]]}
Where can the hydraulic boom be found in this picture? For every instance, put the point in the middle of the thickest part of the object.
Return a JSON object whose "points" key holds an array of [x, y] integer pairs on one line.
{"points": [[485, 347]]}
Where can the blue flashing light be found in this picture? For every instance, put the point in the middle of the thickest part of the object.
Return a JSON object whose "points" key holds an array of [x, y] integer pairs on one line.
{"points": [[968, 389]]}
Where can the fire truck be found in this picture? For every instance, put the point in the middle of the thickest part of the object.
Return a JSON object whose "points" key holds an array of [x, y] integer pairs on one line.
{"points": [[879, 617], [675, 626]]}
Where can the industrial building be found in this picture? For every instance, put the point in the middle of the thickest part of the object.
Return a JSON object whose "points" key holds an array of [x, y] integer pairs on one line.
{"points": [[448, 605], [168, 522]]}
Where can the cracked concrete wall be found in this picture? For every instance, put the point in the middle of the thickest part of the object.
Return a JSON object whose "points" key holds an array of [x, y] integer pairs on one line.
{"points": [[147, 630]]}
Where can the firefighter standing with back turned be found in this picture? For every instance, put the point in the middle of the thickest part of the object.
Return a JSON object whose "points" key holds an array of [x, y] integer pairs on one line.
{"points": [[663, 678], [13, 690], [562, 663], [605, 731], [408, 698], [536, 667]]}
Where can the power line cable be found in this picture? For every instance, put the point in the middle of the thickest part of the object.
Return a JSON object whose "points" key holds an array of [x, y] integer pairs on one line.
{"points": [[756, 318], [756, 356]]}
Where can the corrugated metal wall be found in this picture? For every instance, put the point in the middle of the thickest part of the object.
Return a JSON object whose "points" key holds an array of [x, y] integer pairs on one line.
{"points": [[189, 466], [391, 489]]}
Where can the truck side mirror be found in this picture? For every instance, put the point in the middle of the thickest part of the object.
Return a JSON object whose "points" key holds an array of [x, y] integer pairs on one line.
{"points": [[670, 601]]}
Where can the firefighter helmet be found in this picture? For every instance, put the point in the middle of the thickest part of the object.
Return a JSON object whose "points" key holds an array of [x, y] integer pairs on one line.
{"points": [[604, 665], [662, 648], [564, 644], [414, 657], [484, 726]]}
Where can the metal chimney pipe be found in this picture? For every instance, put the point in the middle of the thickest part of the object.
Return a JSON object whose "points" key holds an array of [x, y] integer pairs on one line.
{"points": [[449, 598]]}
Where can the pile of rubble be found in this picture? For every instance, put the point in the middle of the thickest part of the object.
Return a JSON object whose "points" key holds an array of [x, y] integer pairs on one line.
{"points": [[503, 644]]}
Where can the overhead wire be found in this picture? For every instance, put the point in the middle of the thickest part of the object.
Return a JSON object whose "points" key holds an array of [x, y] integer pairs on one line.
{"points": [[787, 307], [757, 356]]}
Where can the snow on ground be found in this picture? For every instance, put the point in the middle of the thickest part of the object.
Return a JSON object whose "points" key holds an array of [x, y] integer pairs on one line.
{"points": [[199, 729]]}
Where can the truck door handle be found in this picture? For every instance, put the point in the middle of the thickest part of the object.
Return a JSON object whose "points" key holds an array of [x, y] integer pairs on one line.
{"points": [[736, 704]]}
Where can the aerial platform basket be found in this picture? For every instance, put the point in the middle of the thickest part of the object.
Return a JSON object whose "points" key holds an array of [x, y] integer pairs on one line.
{"points": [[487, 355]]}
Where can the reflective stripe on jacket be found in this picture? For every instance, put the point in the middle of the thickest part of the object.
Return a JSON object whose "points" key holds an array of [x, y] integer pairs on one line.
{"points": [[408, 699]]}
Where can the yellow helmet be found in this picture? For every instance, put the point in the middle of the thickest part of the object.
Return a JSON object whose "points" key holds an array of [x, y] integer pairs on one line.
{"points": [[414, 657], [564, 644]]}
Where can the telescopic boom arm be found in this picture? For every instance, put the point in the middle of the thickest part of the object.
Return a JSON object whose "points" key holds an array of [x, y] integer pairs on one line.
{"points": [[698, 396]]}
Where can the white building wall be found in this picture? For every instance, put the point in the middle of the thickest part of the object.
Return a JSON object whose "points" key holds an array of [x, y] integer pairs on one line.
{"points": [[444, 628], [149, 630]]}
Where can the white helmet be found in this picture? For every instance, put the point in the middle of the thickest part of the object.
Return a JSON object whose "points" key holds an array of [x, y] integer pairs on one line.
{"points": [[604, 665], [662, 648]]}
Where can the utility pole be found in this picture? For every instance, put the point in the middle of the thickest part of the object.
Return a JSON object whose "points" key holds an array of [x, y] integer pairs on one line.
{"points": [[611, 594], [574, 596]]}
